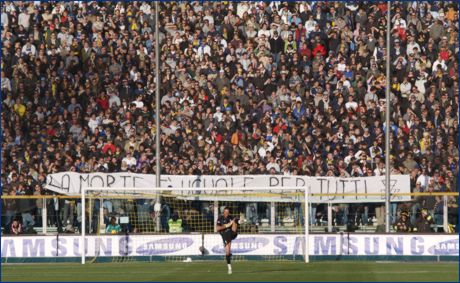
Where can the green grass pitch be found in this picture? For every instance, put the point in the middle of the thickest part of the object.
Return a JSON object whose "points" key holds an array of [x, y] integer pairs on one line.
{"points": [[242, 271]]}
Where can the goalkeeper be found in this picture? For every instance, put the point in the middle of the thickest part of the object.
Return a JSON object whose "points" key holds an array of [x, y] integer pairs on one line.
{"points": [[227, 226]]}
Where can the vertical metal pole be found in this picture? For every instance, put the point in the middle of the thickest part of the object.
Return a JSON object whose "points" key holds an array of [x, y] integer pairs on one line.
{"points": [[157, 105], [44, 217], [83, 225], [445, 211], [216, 214], [272, 216], [388, 129], [310, 212], [307, 222], [101, 216], [329, 217], [90, 215]]}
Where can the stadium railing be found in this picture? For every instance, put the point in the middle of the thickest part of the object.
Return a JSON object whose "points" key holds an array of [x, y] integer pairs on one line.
{"points": [[55, 208]]}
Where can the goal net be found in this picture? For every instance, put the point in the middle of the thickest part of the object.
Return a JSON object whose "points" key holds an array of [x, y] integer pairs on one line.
{"points": [[180, 223]]}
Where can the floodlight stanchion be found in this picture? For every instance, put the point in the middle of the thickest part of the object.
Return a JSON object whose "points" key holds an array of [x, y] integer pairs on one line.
{"points": [[157, 105], [387, 126]]}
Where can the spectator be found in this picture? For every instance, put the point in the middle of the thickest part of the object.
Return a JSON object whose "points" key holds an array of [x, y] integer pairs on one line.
{"points": [[403, 225], [424, 222], [16, 227], [113, 227], [175, 223], [438, 211], [10, 211], [68, 217]]}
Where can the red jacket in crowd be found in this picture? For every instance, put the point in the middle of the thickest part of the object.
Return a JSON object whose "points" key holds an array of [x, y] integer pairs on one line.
{"points": [[319, 49]]}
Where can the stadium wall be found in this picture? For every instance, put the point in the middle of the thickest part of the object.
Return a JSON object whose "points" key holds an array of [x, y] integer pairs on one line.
{"points": [[343, 246]]}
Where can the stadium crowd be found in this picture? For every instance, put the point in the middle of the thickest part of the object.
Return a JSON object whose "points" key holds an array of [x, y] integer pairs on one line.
{"points": [[246, 88]]}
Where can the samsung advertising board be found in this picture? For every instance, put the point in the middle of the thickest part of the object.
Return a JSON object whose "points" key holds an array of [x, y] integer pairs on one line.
{"points": [[189, 245], [340, 244], [110, 245]]}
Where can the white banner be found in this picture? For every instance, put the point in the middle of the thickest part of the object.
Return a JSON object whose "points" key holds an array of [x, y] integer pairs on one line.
{"points": [[107, 245], [338, 244], [189, 245], [70, 183]]}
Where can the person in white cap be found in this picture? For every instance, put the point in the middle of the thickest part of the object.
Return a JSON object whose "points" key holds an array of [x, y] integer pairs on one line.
{"points": [[218, 115]]}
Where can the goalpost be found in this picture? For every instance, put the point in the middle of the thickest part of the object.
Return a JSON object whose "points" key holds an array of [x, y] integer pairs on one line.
{"points": [[263, 211]]}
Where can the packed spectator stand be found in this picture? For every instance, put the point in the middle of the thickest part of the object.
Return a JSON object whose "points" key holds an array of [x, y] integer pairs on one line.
{"points": [[246, 88]]}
